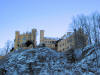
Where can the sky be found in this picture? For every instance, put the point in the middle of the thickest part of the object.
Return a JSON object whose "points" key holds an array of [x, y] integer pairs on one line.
{"points": [[53, 16]]}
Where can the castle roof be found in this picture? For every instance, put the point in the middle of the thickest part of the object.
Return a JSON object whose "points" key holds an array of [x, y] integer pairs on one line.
{"points": [[52, 38]]}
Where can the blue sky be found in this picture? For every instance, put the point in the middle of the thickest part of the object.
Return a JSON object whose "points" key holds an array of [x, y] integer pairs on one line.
{"points": [[54, 16]]}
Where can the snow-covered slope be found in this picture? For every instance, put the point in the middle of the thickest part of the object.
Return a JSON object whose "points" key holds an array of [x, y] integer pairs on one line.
{"points": [[41, 61], [90, 63], [45, 61]]}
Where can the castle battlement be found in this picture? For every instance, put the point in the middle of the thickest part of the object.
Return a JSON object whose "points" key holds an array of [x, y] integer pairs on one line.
{"points": [[21, 39]]}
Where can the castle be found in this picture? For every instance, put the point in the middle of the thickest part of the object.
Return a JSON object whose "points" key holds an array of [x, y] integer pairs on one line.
{"points": [[68, 41], [76, 39], [22, 39], [47, 41]]}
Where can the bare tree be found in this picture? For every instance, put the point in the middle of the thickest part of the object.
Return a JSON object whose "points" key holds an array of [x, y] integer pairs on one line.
{"points": [[83, 22], [96, 27], [8, 46], [80, 38], [91, 26]]}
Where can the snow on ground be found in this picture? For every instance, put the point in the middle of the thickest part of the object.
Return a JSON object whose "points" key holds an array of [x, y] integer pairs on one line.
{"points": [[45, 61]]}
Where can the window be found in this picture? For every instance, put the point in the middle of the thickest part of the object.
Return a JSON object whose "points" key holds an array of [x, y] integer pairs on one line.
{"points": [[60, 45], [53, 41], [69, 40], [63, 44], [50, 41], [24, 39], [18, 38]]}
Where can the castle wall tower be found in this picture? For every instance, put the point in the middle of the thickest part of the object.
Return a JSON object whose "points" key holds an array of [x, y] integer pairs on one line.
{"points": [[17, 34], [41, 36], [33, 36]]}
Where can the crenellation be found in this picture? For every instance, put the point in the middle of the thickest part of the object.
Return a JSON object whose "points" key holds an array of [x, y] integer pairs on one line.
{"points": [[21, 39]]}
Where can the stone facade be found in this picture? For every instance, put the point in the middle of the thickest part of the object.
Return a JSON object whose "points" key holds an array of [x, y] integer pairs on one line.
{"points": [[49, 42], [66, 42], [76, 39], [21, 39]]}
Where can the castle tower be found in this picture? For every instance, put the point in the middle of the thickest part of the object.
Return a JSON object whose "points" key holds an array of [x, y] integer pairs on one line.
{"points": [[17, 34], [41, 36], [33, 36]]}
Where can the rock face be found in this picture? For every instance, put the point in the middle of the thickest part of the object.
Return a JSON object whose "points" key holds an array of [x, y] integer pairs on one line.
{"points": [[45, 61], [34, 61]]}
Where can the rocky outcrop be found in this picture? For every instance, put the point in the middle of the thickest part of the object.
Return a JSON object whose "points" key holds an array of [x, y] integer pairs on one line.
{"points": [[45, 61]]}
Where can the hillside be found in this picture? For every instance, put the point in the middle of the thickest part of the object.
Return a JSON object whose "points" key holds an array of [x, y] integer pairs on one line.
{"points": [[45, 61]]}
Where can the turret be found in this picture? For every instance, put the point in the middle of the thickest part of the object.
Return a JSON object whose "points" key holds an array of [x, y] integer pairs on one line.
{"points": [[41, 36], [17, 33], [33, 36]]}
